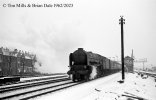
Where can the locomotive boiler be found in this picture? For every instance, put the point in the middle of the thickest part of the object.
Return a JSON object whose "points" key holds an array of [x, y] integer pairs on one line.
{"points": [[83, 64]]}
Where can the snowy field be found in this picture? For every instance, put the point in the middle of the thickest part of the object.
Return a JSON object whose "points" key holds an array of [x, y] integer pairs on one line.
{"points": [[108, 88]]}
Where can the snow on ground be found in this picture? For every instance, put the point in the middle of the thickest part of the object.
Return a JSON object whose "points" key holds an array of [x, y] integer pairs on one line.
{"points": [[133, 87], [39, 77], [108, 88]]}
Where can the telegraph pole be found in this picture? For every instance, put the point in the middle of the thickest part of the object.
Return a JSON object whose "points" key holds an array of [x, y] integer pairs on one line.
{"points": [[121, 21], [132, 60]]}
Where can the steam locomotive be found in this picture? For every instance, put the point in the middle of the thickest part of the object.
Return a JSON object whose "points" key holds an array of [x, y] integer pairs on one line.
{"points": [[87, 65]]}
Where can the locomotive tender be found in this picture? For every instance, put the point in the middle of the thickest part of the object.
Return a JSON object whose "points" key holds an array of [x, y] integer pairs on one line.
{"points": [[82, 64]]}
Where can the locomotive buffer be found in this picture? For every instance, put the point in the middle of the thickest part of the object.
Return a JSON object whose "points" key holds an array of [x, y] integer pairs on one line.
{"points": [[121, 21]]}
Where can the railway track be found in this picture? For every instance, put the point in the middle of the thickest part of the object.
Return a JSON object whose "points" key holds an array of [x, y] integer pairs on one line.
{"points": [[146, 73], [36, 79], [31, 90], [31, 83]]}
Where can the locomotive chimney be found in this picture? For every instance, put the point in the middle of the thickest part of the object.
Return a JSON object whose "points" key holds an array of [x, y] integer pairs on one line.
{"points": [[80, 48]]}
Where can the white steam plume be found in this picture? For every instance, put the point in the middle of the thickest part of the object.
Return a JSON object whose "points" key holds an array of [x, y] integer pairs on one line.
{"points": [[51, 40], [94, 73]]}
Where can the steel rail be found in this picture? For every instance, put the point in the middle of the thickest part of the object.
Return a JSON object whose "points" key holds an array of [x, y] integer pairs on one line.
{"points": [[2, 90]]}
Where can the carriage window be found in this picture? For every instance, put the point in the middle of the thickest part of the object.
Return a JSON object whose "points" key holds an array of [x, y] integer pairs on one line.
{"points": [[1, 58]]}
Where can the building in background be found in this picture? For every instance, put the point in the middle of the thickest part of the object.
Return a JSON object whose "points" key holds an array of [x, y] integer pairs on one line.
{"points": [[129, 63], [16, 62]]}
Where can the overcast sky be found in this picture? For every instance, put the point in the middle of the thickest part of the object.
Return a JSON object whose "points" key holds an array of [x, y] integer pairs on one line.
{"points": [[52, 33]]}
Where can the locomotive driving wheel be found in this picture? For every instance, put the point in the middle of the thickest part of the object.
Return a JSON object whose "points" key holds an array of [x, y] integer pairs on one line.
{"points": [[73, 77], [86, 78]]}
